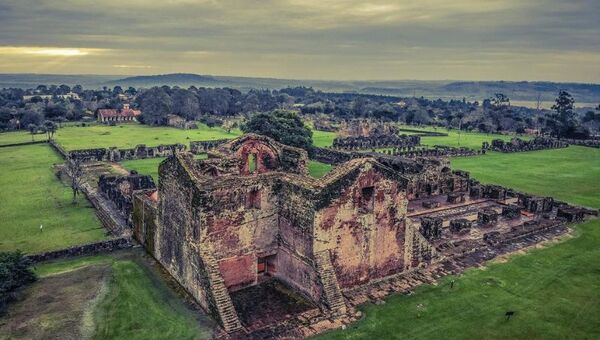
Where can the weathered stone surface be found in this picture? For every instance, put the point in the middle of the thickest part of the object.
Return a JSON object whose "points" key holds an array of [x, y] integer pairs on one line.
{"points": [[519, 145]]}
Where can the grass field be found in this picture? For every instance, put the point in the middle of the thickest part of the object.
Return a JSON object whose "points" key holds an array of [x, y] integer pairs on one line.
{"points": [[130, 135], [31, 195], [149, 166], [138, 307], [571, 174], [15, 137], [553, 290], [471, 140], [317, 169], [323, 138], [116, 296]]}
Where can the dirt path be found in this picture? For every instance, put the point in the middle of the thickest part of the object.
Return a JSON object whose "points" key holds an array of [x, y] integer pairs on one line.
{"points": [[55, 307], [118, 168]]}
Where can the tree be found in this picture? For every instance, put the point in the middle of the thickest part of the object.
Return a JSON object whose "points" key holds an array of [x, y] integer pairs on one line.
{"points": [[155, 104], [15, 272], [500, 107], [32, 129], [283, 126], [74, 170], [50, 128], [562, 122]]}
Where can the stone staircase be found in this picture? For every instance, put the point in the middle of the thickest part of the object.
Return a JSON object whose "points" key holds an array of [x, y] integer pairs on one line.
{"points": [[334, 299], [221, 298]]}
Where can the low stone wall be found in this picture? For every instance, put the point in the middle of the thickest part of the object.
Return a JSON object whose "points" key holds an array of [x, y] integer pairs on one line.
{"points": [[383, 141], [115, 155], [85, 249], [425, 133], [437, 151], [519, 145], [331, 156], [24, 143], [58, 149], [591, 143], [199, 147]]}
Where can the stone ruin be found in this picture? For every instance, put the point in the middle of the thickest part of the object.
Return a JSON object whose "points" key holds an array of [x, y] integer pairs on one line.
{"points": [[366, 128], [591, 143], [367, 134], [249, 218], [206, 146], [119, 189], [323, 124], [250, 212], [114, 154], [519, 145], [376, 141]]}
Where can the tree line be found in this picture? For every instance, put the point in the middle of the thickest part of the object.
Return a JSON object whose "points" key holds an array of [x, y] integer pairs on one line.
{"points": [[26, 108]]}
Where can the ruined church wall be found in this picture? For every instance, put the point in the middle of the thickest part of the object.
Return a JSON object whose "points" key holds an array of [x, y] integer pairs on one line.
{"points": [[178, 232], [364, 244], [241, 224], [144, 216], [298, 272], [294, 257]]}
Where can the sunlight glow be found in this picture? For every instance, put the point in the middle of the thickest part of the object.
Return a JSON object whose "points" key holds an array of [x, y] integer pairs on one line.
{"points": [[46, 51]]}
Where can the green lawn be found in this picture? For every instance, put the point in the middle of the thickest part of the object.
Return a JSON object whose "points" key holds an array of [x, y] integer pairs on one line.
{"points": [[138, 304], [571, 174], [553, 290], [15, 137], [149, 166], [31, 195], [317, 169], [471, 140], [323, 138], [130, 135]]}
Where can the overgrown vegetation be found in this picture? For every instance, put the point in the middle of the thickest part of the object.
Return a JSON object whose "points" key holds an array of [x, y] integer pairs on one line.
{"points": [[15, 272], [283, 126]]}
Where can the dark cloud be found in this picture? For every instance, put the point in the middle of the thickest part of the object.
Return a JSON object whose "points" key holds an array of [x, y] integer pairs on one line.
{"points": [[433, 39]]}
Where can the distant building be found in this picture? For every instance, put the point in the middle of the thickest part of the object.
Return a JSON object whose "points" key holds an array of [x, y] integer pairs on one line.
{"points": [[70, 95], [179, 122], [126, 114]]}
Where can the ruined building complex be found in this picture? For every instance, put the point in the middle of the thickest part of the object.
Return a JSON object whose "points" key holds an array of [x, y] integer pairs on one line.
{"points": [[367, 134], [251, 210], [249, 215]]}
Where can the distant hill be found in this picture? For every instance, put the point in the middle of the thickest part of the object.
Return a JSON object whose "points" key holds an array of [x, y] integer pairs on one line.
{"points": [[173, 79], [446, 89]]}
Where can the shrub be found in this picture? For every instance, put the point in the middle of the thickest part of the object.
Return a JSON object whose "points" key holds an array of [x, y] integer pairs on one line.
{"points": [[15, 272]]}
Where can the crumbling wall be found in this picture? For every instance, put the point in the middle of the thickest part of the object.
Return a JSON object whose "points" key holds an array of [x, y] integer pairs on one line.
{"points": [[199, 147], [520, 145], [241, 221], [144, 216], [364, 227], [176, 242], [114, 154], [119, 189]]}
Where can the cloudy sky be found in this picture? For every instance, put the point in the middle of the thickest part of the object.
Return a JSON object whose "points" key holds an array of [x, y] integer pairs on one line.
{"points": [[557, 40]]}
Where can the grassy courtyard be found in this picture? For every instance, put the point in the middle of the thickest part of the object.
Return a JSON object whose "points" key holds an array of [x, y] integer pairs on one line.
{"points": [[32, 195], [553, 290], [130, 135], [571, 174], [117, 296]]}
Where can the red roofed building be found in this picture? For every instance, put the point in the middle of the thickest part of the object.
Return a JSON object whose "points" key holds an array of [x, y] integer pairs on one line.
{"points": [[125, 114]]}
